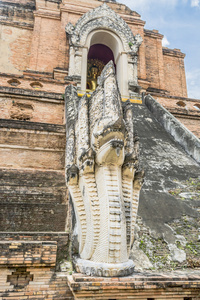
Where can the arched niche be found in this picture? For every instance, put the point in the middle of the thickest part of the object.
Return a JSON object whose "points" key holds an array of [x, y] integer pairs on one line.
{"points": [[113, 42], [103, 26], [101, 52], [98, 56]]}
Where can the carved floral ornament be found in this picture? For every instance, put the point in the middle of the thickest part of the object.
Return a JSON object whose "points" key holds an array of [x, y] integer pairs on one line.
{"points": [[102, 17], [102, 176]]}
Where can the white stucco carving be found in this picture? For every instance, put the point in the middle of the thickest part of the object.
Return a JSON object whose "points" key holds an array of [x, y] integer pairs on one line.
{"points": [[102, 176], [103, 25]]}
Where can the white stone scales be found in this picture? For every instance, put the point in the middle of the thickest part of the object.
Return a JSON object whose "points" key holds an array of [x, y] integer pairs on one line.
{"points": [[102, 176]]}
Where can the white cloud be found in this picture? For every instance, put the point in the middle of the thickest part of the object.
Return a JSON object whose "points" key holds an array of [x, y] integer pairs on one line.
{"points": [[193, 83], [179, 23], [195, 3], [145, 5], [165, 42]]}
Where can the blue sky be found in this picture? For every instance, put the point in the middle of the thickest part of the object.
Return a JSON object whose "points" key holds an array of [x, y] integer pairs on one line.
{"points": [[179, 22]]}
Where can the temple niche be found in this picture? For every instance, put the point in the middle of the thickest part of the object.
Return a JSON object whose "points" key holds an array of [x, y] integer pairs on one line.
{"points": [[98, 56], [102, 29]]}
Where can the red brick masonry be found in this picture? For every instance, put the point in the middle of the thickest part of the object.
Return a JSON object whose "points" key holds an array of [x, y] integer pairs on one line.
{"points": [[138, 286]]}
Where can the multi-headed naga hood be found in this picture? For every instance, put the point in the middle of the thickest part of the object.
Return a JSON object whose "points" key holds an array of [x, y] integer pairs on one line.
{"points": [[102, 176]]}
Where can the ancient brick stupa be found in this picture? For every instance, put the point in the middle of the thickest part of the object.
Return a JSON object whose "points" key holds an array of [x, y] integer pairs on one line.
{"points": [[91, 105]]}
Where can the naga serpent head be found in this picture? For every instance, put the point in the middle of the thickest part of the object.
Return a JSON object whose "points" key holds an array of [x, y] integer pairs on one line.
{"points": [[102, 176]]}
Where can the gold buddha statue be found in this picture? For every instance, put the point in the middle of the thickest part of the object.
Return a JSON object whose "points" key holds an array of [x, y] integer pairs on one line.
{"points": [[92, 82], [95, 67]]}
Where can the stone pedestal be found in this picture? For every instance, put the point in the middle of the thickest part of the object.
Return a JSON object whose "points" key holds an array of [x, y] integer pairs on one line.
{"points": [[104, 269]]}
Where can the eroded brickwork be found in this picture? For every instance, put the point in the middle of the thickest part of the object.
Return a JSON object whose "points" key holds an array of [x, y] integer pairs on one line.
{"points": [[13, 42], [27, 105], [34, 209], [28, 262], [174, 69], [33, 200], [38, 42], [193, 124], [141, 286], [33, 283], [187, 111], [154, 59]]}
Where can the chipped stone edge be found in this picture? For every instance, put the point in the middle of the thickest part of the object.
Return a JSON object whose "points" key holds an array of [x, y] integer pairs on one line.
{"points": [[180, 133], [104, 269]]}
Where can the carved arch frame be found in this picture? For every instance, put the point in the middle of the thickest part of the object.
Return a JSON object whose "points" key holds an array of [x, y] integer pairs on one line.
{"points": [[103, 25]]}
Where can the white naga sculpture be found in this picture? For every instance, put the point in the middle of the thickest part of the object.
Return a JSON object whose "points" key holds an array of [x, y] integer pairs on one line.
{"points": [[102, 176]]}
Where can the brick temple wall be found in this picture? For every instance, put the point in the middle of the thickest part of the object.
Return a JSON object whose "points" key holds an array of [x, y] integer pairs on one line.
{"points": [[32, 200], [187, 111], [33, 190], [193, 124], [154, 59], [33, 283], [16, 28], [174, 70], [34, 39], [28, 264], [34, 204]]}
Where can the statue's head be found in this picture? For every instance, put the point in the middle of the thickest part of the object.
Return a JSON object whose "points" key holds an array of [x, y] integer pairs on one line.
{"points": [[108, 129], [94, 72]]}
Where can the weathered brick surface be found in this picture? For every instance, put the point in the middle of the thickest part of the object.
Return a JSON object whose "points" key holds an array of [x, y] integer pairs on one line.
{"points": [[45, 43], [36, 107], [193, 124], [27, 253], [185, 110], [153, 62], [31, 146], [29, 138], [32, 200], [33, 283], [27, 265], [15, 49], [46, 47], [37, 81], [174, 69], [23, 158], [17, 11], [137, 286], [61, 238]]}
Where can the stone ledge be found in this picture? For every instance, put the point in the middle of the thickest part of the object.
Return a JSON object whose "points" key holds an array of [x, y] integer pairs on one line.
{"points": [[173, 52], [35, 94], [184, 116], [32, 234], [16, 124], [148, 285], [161, 93], [22, 25], [30, 6], [153, 33]]}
